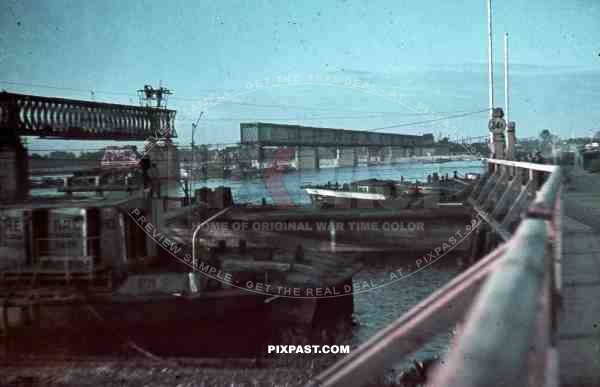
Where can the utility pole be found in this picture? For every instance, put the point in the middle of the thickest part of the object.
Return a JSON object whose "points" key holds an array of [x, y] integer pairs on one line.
{"points": [[506, 97], [496, 124], [511, 138], [194, 127], [490, 60]]}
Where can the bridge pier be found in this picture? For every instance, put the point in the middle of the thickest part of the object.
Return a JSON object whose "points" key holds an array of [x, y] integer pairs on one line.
{"points": [[165, 175], [346, 157], [164, 160], [385, 155], [260, 157], [14, 170], [308, 158], [397, 153], [362, 155]]}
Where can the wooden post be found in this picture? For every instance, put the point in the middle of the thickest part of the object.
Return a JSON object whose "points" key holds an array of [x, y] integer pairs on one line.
{"points": [[93, 227], [14, 169], [136, 238], [39, 233], [6, 323], [473, 248]]}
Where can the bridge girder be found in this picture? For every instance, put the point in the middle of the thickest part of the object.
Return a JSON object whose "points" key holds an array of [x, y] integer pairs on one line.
{"points": [[29, 115]]}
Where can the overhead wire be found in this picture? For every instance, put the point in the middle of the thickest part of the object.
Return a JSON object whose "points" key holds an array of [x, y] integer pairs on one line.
{"points": [[227, 102], [313, 116], [460, 115]]}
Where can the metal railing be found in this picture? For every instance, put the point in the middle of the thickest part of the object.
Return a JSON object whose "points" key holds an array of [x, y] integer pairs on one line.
{"points": [[508, 190], [509, 324], [30, 115], [507, 337]]}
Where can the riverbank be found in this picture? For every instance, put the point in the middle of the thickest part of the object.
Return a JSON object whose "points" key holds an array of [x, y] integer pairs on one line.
{"points": [[170, 372]]}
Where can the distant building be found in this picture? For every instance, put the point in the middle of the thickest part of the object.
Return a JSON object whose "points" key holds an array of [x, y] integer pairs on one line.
{"points": [[587, 154], [120, 157]]}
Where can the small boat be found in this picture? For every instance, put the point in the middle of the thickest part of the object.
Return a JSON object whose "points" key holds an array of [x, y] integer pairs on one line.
{"points": [[46, 182], [388, 194]]}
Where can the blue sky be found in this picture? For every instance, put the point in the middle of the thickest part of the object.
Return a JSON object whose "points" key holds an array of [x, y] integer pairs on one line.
{"points": [[432, 52]]}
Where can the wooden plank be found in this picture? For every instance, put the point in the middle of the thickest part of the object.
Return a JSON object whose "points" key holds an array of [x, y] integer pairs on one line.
{"points": [[497, 227]]}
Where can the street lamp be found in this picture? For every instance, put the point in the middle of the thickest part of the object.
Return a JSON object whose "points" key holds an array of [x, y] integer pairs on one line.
{"points": [[194, 126]]}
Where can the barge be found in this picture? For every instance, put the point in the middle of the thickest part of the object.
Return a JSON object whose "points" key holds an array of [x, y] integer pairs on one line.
{"points": [[387, 194], [133, 261], [78, 263]]}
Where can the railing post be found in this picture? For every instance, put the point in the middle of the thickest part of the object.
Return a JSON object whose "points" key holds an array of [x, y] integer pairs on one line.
{"points": [[493, 195], [39, 233], [502, 203], [532, 179], [488, 186]]}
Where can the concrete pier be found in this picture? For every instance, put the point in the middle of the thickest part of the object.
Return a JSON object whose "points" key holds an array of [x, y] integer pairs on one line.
{"points": [[164, 157], [308, 158], [346, 157], [14, 171]]}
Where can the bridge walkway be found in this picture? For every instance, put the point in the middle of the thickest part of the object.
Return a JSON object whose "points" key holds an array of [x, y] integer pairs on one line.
{"points": [[579, 322]]}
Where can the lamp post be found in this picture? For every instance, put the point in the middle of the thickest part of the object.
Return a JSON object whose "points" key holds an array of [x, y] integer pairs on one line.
{"points": [[192, 162], [194, 126]]}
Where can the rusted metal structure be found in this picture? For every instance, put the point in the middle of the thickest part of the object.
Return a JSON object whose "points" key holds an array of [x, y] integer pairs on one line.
{"points": [[29, 115], [310, 145], [269, 134]]}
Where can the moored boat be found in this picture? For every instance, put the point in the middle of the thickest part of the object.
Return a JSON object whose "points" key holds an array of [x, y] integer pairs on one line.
{"points": [[388, 194], [89, 263]]}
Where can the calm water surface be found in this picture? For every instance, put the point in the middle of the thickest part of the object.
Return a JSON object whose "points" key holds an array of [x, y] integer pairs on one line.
{"points": [[254, 190], [377, 308]]}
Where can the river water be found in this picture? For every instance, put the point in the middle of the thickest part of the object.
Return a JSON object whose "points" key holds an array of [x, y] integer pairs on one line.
{"points": [[374, 309], [377, 308], [254, 190]]}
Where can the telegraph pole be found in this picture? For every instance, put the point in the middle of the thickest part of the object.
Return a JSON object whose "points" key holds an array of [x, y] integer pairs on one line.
{"points": [[194, 127], [490, 60], [496, 124], [511, 138], [506, 97]]}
